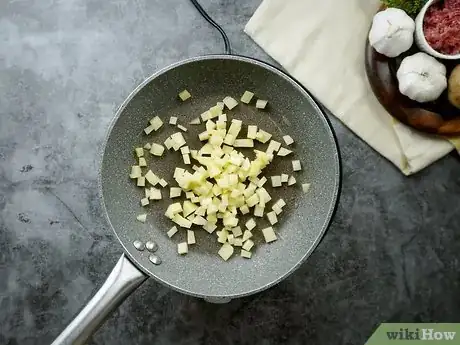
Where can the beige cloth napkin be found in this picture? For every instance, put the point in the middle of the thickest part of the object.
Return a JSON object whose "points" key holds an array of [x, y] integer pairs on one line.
{"points": [[321, 43]]}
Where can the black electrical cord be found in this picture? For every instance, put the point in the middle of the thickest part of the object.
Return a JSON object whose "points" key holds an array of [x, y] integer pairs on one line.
{"points": [[228, 47]]}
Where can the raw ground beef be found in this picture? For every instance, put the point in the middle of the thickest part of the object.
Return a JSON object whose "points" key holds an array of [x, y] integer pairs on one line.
{"points": [[442, 27]]}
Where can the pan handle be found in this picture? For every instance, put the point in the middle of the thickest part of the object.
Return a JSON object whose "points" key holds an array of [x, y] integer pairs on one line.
{"points": [[124, 279]]}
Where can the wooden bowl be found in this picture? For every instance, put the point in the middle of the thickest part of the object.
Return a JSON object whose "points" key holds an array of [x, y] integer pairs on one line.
{"points": [[438, 117]]}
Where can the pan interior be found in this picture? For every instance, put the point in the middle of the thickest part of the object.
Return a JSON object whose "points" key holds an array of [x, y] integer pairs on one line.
{"points": [[291, 111]]}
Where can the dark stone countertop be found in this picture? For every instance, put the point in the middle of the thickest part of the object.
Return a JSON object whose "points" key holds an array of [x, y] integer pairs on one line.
{"points": [[390, 255]]}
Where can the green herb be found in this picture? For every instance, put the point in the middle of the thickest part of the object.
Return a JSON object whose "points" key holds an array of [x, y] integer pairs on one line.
{"points": [[411, 7]]}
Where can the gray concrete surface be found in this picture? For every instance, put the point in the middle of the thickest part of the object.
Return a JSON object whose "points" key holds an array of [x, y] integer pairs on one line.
{"points": [[390, 255]]}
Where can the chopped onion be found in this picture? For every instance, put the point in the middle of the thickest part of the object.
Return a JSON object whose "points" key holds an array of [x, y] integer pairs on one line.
{"points": [[291, 180], [182, 128], [281, 203], [157, 149], [141, 181], [203, 136], [142, 162], [261, 104], [182, 248], [144, 201], [247, 97], [199, 220], [184, 95], [168, 143], [273, 147], [277, 209], [163, 183], [272, 217], [188, 208], [296, 165], [244, 209], [230, 102], [250, 224], [306, 187], [206, 116], [269, 234], [288, 140], [181, 221], [226, 251], [263, 136], [248, 245], [156, 123], [284, 152], [259, 211], [173, 120], [171, 232], [238, 242], [237, 232], [139, 151], [195, 121], [177, 141], [210, 227], [245, 254], [148, 129], [173, 209], [184, 150], [186, 159], [247, 235], [284, 178], [147, 146], [175, 192], [261, 181], [231, 239], [276, 181], [243, 143], [136, 171], [191, 237], [155, 194], [252, 132], [142, 218], [152, 178]]}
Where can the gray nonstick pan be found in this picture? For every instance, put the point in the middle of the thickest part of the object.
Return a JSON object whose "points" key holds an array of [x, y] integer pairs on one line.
{"points": [[202, 273]]}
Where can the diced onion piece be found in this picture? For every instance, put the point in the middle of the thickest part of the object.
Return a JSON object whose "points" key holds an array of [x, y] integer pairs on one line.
{"points": [[252, 201], [173, 209], [247, 235], [157, 149], [272, 218], [230, 102], [248, 245], [182, 128], [277, 209], [288, 140], [203, 136], [296, 166], [195, 121], [171, 232], [168, 143], [276, 181], [210, 227], [148, 129], [291, 181], [186, 159], [136, 171], [250, 224], [163, 183], [264, 197], [188, 208], [284, 152], [263, 136], [281, 203], [184, 95], [147, 146], [175, 192], [142, 162], [173, 120], [142, 218], [238, 242], [139, 151], [261, 104], [245, 254], [199, 220], [181, 221], [147, 192], [141, 181], [229, 139], [261, 181], [182, 248], [184, 150], [269, 234], [243, 143], [215, 111], [156, 123], [247, 97], [306, 187], [252, 132], [237, 232], [191, 237], [220, 105], [152, 178], [226, 251], [144, 201], [189, 195], [206, 116], [273, 147], [177, 141], [259, 211], [284, 178], [223, 118], [155, 194], [244, 209], [231, 239], [191, 217]]}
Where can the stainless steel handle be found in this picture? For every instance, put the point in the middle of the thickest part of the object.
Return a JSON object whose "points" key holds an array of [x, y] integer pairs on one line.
{"points": [[124, 279]]}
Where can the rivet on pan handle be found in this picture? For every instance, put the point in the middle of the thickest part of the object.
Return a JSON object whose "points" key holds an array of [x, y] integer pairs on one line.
{"points": [[123, 280]]}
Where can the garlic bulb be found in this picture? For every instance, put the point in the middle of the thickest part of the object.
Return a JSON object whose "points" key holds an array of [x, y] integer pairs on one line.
{"points": [[392, 32], [422, 78]]}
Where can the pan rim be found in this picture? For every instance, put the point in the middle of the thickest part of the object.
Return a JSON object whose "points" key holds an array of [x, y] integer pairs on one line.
{"points": [[331, 134]]}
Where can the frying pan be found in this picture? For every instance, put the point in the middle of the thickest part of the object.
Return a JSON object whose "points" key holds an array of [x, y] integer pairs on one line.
{"points": [[201, 272]]}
